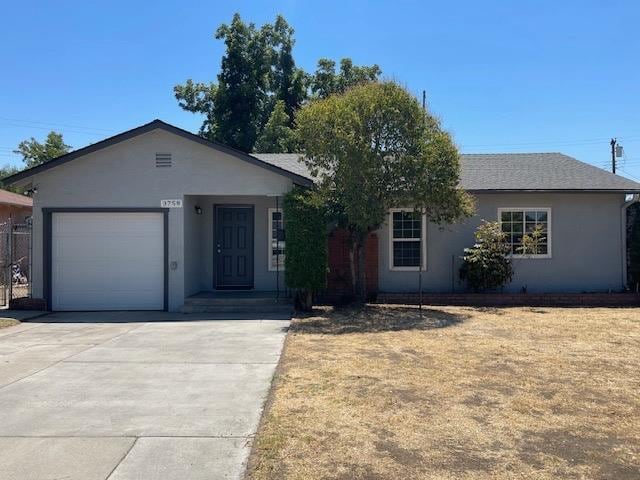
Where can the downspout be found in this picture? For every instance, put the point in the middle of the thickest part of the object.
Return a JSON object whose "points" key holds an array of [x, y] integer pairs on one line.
{"points": [[623, 235]]}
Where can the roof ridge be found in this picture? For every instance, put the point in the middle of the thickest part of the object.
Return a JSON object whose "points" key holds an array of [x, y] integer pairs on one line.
{"points": [[514, 154], [474, 154]]}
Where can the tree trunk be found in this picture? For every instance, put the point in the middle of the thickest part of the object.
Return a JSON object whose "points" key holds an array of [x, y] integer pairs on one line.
{"points": [[352, 264], [361, 279], [304, 300]]}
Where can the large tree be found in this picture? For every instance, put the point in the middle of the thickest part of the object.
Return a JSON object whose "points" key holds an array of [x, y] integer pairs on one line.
{"points": [[277, 136], [327, 81], [34, 153], [373, 148], [257, 69], [287, 82]]}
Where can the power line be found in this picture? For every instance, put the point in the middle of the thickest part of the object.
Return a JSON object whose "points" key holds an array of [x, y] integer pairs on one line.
{"points": [[629, 175], [67, 130], [59, 125]]}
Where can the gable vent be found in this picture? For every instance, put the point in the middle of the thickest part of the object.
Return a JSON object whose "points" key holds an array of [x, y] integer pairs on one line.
{"points": [[163, 160]]}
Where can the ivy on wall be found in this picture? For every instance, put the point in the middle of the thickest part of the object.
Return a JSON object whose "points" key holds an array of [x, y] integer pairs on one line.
{"points": [[306, 237]]}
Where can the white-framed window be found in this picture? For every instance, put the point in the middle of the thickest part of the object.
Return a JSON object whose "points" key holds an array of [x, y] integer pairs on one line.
{"points": [[276, 239], [407, 239], [515, 222]]}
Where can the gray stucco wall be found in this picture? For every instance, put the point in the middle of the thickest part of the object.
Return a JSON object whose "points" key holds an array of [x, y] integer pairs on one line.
{"points": [[586, 246], [124, 175], [586, 228], [199, 247]]}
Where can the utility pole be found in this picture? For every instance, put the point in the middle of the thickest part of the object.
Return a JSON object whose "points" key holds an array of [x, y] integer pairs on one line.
{"points": [[420, 260], [613, 154]]}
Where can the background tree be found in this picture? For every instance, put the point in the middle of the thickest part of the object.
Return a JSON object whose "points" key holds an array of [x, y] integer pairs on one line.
{"points": [[7, 171], [326, 81], [34, 153], [487, 265], [277, 136], [374, 148], [287, 82], [258, 70], [199, 98], [242, 84]]}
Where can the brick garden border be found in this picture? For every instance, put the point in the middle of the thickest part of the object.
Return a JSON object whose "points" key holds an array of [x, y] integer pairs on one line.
{"points": [[515, 299]]}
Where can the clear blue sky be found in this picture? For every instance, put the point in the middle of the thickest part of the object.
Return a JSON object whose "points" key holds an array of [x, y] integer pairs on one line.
{"points": [[504, 76]]}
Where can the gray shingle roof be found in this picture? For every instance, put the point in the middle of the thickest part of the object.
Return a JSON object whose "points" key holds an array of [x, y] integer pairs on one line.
{"points": [[507, 171]]}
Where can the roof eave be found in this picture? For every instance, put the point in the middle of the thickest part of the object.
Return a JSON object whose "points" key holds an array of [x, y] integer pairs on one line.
{"points": [[553, 190], [21, 205]]}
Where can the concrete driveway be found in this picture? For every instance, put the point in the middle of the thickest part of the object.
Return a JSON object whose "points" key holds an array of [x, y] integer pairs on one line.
{"points": [[124, 396]]}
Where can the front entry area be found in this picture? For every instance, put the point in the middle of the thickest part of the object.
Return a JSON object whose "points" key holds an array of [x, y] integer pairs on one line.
{"points": [[233, 246]]}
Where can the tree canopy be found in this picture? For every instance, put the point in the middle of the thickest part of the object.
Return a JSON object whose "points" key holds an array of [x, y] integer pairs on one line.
{"points": [[277, 136], [373, 148], [327, 81], [7, 171], [34, 153], [257, 71]]}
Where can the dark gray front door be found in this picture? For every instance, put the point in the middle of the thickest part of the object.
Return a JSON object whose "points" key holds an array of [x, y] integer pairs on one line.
{"points": [[234, 246]]}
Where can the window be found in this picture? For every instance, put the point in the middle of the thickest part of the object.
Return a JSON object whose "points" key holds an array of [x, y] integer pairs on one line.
{"points": [[407, 232], [516, 222], [276, 239]]}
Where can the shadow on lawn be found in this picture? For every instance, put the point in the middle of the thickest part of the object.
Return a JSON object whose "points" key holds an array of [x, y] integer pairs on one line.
{"points": [[372, 319]]}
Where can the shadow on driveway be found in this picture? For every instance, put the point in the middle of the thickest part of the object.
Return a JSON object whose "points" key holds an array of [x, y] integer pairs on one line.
{"points": [[149, 316]]}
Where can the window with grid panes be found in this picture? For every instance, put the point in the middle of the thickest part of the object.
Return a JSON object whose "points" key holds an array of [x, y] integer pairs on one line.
{"points": [[516, 222], [406, 234]]}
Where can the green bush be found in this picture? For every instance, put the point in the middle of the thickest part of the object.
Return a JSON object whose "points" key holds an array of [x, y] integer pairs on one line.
{"points": [[487, 265], [306, 250]]}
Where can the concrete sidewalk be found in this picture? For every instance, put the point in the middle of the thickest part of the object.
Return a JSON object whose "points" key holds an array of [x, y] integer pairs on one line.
{"points": [[124, 396]]}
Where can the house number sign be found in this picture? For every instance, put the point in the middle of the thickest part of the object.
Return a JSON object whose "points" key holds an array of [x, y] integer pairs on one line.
{"points": [[171, 203]]}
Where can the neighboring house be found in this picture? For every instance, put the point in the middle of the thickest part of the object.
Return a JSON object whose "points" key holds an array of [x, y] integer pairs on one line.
{"points": [[149, 217], [14, 208]]}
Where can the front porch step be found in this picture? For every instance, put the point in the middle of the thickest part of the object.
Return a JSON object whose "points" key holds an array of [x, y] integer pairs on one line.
{"points": [[238, 302], [224, 301], [240, 308]]}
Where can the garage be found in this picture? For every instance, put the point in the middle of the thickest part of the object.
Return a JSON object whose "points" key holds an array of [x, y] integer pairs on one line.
{"points": [[107, 260]]}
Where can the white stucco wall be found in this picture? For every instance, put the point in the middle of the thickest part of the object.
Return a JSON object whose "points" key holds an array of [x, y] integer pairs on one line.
{"points": [[586, 246], [124, 175]]}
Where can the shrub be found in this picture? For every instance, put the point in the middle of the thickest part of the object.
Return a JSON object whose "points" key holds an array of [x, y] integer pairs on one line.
{"points": [[487, 265], [306, 250]]}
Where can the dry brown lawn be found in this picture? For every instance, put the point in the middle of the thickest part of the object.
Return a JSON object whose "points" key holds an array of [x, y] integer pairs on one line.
{"points": [[8, 322], [461, 393]]}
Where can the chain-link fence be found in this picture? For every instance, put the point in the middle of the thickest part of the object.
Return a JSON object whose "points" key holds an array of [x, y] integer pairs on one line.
{"points": [[15, 262]]}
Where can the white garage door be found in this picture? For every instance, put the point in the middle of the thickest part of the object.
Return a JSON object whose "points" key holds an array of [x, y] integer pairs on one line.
{"points": [[107, 261]]}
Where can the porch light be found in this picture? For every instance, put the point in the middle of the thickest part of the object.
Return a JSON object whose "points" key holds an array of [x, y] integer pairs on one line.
{"points": [[198, 210]]}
